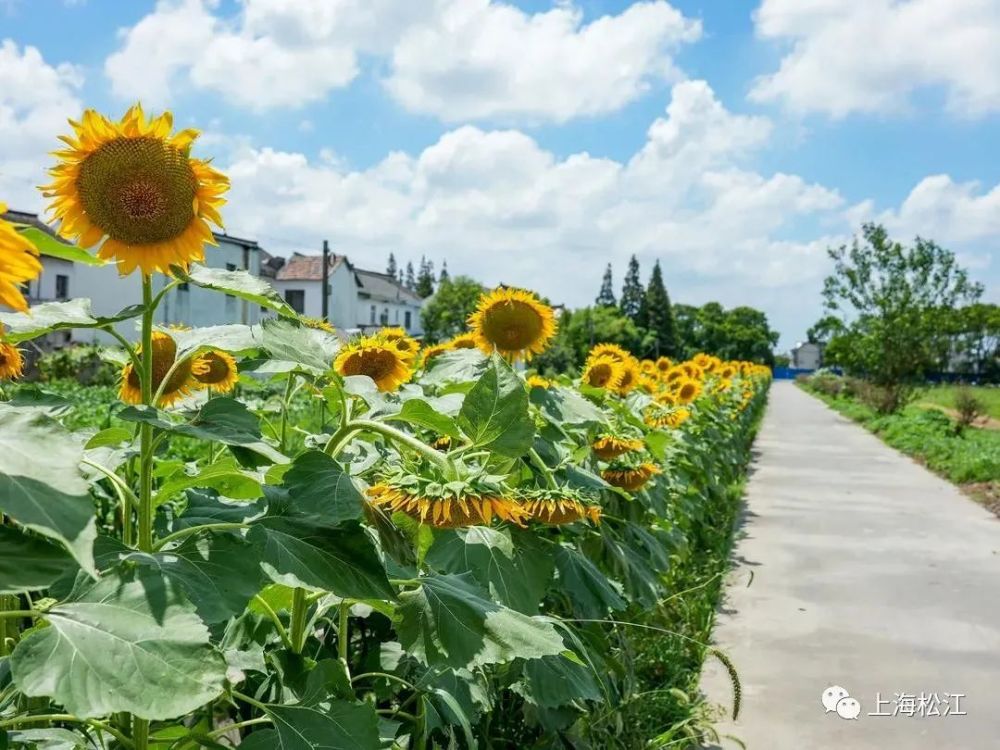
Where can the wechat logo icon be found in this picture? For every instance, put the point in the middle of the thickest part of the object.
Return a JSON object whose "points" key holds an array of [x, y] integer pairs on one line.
{"points": [[837, 699]]}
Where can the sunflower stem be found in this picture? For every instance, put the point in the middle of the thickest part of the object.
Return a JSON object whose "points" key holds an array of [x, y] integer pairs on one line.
{"points": [[140, 733], [145, 535], [284, 410], [543, 468], [300, 609], [357, 425]]}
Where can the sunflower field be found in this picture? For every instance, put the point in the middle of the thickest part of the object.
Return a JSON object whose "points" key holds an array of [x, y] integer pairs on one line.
{"points": [[277, 538]]}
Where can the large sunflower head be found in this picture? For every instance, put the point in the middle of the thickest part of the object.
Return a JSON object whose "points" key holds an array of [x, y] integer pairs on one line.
{"points": [[663, 365], [556, 507], [462, 341], [407, 346], [11, 363], [537, 381], [134, 184], [513, 323], [445, 506], [631, 477], [612, 351], [608, 446], [727, 371], [631, 376], [18, 264], [180, 383], [216, 370], [673, 374], [378, 359], [603, 372], [692, 370], [687, 390]]}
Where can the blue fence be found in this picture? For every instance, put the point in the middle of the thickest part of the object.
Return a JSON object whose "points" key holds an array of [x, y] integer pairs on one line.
{"points": [[789, 373]]}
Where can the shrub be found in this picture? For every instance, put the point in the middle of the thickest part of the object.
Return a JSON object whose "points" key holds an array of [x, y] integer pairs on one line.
{"points": [[82, 363], [969, 407]]}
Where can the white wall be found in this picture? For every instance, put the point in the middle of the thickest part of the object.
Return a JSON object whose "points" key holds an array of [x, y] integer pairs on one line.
{"points": [[394, 313], [343, 296]]}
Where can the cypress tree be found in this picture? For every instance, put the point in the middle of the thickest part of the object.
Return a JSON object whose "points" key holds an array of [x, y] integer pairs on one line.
{"points": [[391, 266], [606, 297], [632, 293], [444, 272], [411, 281], [657, 316], [425, 279]]}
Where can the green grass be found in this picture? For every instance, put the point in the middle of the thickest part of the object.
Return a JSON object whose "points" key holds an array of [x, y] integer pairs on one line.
{"points": [[971, 455], [944, 395]]}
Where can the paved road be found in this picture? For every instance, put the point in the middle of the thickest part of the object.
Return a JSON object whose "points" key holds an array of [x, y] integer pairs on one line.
{"points": [[870, 573]]}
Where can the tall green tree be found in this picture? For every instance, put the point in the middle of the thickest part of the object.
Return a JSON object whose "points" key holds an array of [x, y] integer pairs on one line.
{"points": [[894, 302], [632, 292], [606, 297], [580, 329], [444, 276], [411, 281], [390, 267], [425, 279], [447, 313], [657, 316]]}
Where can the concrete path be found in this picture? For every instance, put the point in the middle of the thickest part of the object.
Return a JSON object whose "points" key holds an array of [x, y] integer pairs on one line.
{"points": [[869, 573]]}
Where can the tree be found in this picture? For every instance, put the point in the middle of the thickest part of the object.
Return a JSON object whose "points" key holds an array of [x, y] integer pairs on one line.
{"points": [[894, 303], [444, 276], [411, 282], [390, 267], [825, 329], [975, 337], [746, 335], [425, 279], [606, 297], [581, 329], [447, 313], [632, 292], [657, 315]]}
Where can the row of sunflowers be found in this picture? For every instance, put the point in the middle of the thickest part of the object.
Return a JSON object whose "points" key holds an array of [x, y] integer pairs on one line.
{"points": [[449, 555]]}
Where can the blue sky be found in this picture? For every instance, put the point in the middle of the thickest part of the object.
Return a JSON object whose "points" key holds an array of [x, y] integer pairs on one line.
{"points": [[530, 142]]}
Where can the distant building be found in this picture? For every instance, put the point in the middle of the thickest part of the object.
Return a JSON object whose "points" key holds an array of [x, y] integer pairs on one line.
{"points": [[807, 356], [358, 299]]}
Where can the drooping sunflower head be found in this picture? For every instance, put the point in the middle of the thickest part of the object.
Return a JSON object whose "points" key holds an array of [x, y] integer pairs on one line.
{"points": [[446, 505], [537, 381], [134, 184], [608, 446], [666, 418], [463, 341], [11, 363], [317, 323], [556, 507], [663, 364], [612, 351], [631, 376], [18, 264], [179, 383], [380, 360], [428, 353], [216, 370], [631, 477], [603, 372], [687, 390], [405, 345], [512, 322]]}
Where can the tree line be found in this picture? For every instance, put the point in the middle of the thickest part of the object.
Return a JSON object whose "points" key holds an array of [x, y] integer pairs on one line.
{"points": [[641, 319], [422, 282]]}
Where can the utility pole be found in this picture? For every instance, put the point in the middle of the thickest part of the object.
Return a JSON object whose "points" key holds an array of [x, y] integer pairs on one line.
{"points": [[326, 281]]}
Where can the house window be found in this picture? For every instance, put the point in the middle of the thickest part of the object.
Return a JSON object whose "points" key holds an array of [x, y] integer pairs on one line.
{"points": [[395, 316], [372, 321], [183, 286], [407, 320], [62, 286], [384, 318], [296, 299], [232, 267]]}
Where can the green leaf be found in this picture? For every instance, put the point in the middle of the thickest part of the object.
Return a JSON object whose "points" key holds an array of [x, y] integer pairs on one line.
{"points": [[320, 491], [229, 338], [461, 366], [110, 437], [205, 507], [53, 316], [495, 415], [223, 420], [236, 283], [56, 248], [449, 621], [420, 413], [554, 681], [29, 563], [48, 739], [40, 483], [290, 341], [516, 569], [342, 561], [220, 573], [338, 726], [588, 588], [225, 476], [129, 642], [565, 406]]}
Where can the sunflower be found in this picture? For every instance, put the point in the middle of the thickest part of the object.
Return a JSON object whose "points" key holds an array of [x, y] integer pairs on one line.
{"points": [[631, 478], [316, 323], [445, 510], [608, 447], [513, 323], [18, 264], [557, 507], [405, 345], [380, 360], [692, 370], [603, 372], [613, 351], [216, 370], [463, 341], [430, 352], [442, 443], [687, 390], [180, 384], [648, 366], [677, 372], [663, 364], [537, 381], [662, 419], [11, 363], [727, 372], [631, 376], [134, 184]]}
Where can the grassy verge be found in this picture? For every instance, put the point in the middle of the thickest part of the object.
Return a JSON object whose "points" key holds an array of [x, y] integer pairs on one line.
{"points": [[944, 395], [969, 458]]}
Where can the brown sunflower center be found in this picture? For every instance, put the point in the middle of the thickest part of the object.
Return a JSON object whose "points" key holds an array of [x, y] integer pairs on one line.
{"points": [[218, 369], [512, 325], [138, 190], [599, 374], [375, 363]]}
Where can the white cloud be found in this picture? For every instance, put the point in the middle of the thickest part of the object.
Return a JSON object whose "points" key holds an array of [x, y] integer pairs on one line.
{"points": [[36, 98], [871, 55], [455, 59], [482, 59]]}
